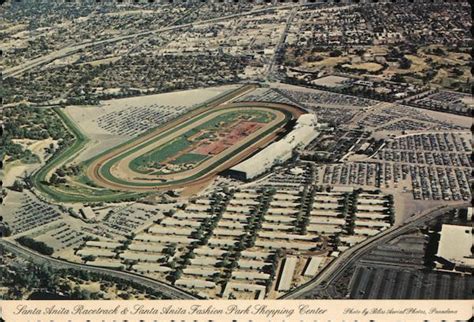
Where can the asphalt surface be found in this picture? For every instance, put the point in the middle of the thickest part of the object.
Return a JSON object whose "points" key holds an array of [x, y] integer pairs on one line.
{"points": [[321, 282], [337, 267], [64, 52], [39, 259]]}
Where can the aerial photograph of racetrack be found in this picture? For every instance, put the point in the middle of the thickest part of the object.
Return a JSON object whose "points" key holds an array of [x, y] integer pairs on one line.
{"points": [[190, 148], [246, 150]]}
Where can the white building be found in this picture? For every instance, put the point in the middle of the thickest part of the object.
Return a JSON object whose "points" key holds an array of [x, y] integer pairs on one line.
{"points": [[88, 213], [287, 273], [313, 265], [303, 133], [455, 245]]}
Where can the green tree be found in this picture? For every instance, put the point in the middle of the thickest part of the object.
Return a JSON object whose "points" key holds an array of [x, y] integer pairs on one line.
{"points": [[17, 186]]}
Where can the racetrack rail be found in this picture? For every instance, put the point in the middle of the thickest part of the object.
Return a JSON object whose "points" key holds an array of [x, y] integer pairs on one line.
{"points": [[108, 169]]}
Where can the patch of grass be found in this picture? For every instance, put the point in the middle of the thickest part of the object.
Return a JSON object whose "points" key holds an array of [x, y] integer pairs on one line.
{"points": [[160, 154], [105, 169], [142, 163], [190, 158], [65, 194], [370, 67]]}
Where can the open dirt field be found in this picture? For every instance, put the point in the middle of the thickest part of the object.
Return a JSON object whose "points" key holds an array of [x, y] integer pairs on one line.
{"points": [[16, 170], [327, 62], [454, 119], [371, 67], [36, 146], [101, 140]]}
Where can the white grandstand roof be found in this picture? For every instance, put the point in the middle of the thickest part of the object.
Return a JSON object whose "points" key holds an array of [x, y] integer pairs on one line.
{"points": [[303, 133]]}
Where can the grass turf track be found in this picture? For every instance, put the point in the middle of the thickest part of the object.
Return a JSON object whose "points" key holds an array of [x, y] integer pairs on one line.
{"points": [[190, 158], [102, 170], [180, 143], [160, 154], [39, 177]]}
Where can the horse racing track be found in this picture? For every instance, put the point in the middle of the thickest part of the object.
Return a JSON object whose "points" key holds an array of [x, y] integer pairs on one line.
{"points": [[191, 149]]}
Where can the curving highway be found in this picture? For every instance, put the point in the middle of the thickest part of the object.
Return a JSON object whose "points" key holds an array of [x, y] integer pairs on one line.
{"points": [[336, 268], [68, 51], [168, 290]]}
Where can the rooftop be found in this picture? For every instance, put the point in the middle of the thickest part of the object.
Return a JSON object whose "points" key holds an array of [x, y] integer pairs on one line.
{"points": [[455, 244]]}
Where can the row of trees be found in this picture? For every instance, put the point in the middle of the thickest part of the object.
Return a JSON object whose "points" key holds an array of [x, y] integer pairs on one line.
{"points": [[21, 279], [38, 246]]}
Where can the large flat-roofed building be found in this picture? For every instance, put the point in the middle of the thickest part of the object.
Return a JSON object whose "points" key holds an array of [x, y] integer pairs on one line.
{"points": [[287, 273], [303, 133], [88, 213], [455, 245]]}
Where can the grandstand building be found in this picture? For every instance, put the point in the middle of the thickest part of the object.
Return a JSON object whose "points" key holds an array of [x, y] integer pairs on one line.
{"points": [[302, 134]]}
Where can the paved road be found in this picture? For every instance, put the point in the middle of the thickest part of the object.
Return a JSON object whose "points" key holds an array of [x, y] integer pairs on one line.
{"points": [[336, 268], [280, 44], [167, 290], [64, 52]]}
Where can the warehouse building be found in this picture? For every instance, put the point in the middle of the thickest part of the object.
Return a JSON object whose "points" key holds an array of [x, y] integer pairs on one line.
{"points": [[303, 133]]}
